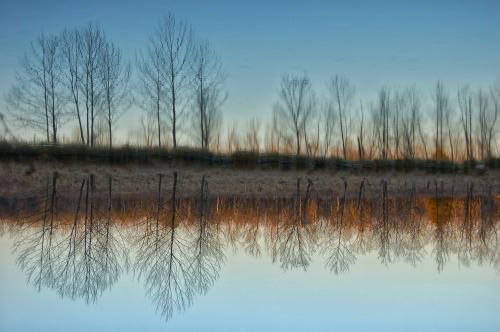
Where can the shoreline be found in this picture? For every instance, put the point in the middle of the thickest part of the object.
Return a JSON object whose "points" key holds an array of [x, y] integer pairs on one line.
{"points": [[18, 178]]}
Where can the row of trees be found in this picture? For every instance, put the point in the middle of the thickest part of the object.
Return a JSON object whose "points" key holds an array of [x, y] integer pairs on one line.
{"points": [[80, 77], [77, 75], [397, 125]]}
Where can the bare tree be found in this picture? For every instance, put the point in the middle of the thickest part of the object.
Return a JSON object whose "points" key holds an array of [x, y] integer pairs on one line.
{"points": [[450, 126], [361, 133], [327, 117], [465, 105], [252, 135], [342, 92], [176, 42], [272, 139], [399, 104], [296, 105], [487, 118], [410, 120], [71, 44], [492, 130], [147, 131], [151, 85], [114, 76], [91, 49], [208, 93], [35, 99], [441, 101], [381, 115]]}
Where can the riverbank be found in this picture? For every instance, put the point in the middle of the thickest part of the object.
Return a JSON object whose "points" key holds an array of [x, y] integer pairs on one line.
{"points": [[22, 177]]}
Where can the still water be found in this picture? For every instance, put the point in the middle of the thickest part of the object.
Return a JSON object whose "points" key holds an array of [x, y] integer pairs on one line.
{"points": [[84, 257]]}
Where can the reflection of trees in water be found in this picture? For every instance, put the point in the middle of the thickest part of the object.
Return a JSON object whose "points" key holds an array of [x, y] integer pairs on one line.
{"points": [[413, 225], [477, 237], [73, 243], [176, 262], [35, 243], [208, 254], [294, 234], [79, 258], [336, 245], [382, 226]]}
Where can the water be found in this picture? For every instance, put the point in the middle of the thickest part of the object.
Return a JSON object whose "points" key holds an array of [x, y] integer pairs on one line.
{"points": [[84, 257]]}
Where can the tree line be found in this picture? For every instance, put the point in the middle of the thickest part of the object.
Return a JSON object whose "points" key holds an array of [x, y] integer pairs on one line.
{"points": [[80, 76]]}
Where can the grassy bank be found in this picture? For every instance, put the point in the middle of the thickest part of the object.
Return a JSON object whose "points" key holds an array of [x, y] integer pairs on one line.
{"points": [[240, 160]]}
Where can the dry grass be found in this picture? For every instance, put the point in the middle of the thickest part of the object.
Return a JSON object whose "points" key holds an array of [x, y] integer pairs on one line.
{"points": [[17, 177]]}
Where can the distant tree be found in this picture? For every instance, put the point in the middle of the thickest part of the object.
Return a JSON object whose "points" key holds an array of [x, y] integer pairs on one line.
{"points": [[327, 118], [252, 142], [35, 99], [487, 106], [381, 115], [175, 38], [342, 93], [295, 106], [151, 91], [93, 40], [492, 129], [361, 133], [441, 101], [410, 120], [114, 77], [71, 47], [465, 105], [207, 87]]}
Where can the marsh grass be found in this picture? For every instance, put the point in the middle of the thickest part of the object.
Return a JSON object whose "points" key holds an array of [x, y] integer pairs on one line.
{"points": [[240, 159]]}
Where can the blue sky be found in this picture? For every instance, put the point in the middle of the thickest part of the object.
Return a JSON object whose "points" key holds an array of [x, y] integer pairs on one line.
{"points": [[374, 43]]}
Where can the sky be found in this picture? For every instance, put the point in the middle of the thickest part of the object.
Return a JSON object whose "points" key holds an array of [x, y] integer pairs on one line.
{"points": [[373, 43]]}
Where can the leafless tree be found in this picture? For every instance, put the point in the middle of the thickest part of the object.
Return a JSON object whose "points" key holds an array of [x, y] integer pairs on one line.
{"points": [[296, 105], [327, 118], [410, 120], [441, 101], [207, 87], [495, 113], [35, 100], [151, 84], [71, 44], [342, 93], [233, 139], [272, 138], [93, 40], [487, 118], [147, 131], [176, 44], [381, 115], [252, 142], [465, 105], [114, 76]]}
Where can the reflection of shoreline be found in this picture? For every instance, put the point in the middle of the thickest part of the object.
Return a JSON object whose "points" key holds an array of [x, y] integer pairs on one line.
{"points": [[80, 243]]}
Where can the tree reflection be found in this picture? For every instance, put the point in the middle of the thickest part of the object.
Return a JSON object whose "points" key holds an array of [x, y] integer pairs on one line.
{"points": [[35, 242], [163, 259], [71, 238], [208, 255], [336, 245], [294, 234], [79, 259], [176, 262]]}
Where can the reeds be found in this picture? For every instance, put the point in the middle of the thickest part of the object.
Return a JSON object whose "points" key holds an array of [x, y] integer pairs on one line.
{"points": [[240, 159]]}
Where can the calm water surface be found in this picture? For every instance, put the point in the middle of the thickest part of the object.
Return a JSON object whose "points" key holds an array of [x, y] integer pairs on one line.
{"points": [[84, 257]]}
